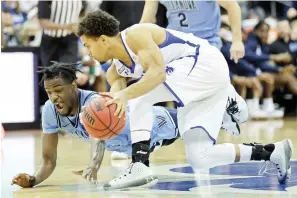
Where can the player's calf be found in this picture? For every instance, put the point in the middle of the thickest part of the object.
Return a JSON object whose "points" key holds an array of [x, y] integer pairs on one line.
{"points": [[202, 154]]}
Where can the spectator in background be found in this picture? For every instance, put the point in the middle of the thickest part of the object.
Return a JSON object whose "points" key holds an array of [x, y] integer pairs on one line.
{"points": [[244, 75], [2, 37], [258, 53], [284, 43], [13, 19]]}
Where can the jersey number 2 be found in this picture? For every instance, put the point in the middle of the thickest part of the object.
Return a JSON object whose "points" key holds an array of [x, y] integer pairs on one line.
{"points": [[182, 17]]}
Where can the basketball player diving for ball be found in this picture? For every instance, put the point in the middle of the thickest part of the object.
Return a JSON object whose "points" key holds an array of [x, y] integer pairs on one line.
{"points": [[61, 113], [174, 66]]}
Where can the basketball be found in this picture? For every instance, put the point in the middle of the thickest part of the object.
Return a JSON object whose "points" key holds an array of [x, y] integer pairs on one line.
{"points": [[99, 120]]}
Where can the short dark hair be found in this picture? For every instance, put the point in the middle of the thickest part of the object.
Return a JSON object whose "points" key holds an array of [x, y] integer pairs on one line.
{"points": [[98, 23], [66, 71], [260, 24]]}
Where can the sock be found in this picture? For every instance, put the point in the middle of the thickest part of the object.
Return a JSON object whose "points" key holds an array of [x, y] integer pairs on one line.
{"points": [[261, 152], [140, 152], [245, 153]]}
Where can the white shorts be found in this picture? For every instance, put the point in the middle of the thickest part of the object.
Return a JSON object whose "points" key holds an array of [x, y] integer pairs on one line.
{"points": [[198, 84]]}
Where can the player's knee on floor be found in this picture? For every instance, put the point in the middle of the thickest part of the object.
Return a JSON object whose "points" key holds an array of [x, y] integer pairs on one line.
{"points": [[197, 143]]}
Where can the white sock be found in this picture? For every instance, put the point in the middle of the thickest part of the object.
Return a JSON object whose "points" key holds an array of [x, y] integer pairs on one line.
{"points": [[245, 152]]}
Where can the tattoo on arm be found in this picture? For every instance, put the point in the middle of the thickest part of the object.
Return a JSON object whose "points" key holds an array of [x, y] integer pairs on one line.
{"points": [[98, 150]]}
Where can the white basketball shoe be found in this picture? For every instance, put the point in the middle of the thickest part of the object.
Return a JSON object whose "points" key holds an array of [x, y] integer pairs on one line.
{"points": [[280, 157], [236, 113], [118, 156], [136, 175]]}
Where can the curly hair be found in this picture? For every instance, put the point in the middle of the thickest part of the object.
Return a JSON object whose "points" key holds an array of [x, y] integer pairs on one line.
{"points": [[98, 23], [66, 71]]}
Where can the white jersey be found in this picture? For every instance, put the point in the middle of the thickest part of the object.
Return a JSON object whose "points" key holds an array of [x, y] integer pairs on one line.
{"points": [[176, 46], [197, 78]]}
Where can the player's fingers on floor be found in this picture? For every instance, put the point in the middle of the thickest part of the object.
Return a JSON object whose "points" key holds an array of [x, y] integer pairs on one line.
{"points": [[89, 178], [15, 179]]}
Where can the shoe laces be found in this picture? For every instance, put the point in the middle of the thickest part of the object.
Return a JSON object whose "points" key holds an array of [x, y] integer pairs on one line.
{"points": [[232, 106], [125, 172]]}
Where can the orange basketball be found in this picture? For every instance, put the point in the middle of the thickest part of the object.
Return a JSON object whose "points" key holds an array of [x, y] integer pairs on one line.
{"points": [[99, 120]]}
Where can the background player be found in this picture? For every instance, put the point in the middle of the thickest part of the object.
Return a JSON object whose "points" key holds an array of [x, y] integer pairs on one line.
{"points": [[194, 17], [174, 66]]}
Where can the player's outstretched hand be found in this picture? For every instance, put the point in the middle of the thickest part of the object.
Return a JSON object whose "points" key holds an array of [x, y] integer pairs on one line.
{"points": [[237, 51], [119, 98], [22, 180], [90, 174]]}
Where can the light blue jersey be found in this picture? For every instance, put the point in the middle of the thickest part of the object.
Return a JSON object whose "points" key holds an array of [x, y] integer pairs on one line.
{"points": [[202, 18], [164, 128]]}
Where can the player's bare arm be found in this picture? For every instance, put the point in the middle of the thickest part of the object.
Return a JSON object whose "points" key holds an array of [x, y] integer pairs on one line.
{"points": [[49, 157], [142, 43], [116, 81], [97, 155], [234, 15], [149, 11]]}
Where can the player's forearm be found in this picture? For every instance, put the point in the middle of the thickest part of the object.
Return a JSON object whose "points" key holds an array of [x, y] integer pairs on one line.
{"points": [[97, 153], [118, 85], [43, 172], [152, 79], [149, 12], [49, 25], [234, 15]]}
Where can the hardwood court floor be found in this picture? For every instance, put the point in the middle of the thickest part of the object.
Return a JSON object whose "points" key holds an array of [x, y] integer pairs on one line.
{"points": [[21, 153]]}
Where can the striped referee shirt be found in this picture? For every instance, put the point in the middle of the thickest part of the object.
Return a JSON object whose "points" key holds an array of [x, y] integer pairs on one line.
{"points": [[60, 12]]}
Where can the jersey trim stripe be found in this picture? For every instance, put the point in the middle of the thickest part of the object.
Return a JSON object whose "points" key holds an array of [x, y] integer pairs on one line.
{"points": [[132, 68], [180, 102], [196, 58]]}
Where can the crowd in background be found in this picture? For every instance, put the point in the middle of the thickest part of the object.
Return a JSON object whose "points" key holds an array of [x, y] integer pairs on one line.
{"points": [[268, 70]]}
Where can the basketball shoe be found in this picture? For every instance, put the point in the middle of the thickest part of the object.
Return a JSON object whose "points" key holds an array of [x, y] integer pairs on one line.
{"points": [[236, 113], [136, 175], [279, 154], [280, 157]]}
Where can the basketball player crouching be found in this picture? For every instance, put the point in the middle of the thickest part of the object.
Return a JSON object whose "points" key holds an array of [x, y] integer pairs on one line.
{"points": [[61, 112]]}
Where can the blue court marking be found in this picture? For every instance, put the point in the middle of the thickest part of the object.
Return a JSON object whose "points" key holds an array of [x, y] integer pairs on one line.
{"points": [[256, 182]]}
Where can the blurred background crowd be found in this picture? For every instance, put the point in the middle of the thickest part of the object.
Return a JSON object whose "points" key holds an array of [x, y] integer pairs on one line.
{"points": [[266, 77]]}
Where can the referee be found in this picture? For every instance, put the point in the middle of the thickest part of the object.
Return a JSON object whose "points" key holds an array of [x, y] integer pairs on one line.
{"points": [[58, 20]]}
